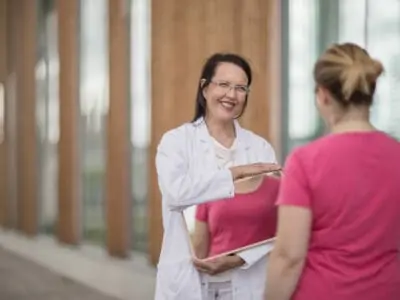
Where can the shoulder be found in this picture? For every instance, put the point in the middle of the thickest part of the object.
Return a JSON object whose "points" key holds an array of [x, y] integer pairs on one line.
{"points": [[314, 147], [303, 152], [176, 135], [259, 144], [311, 156], [255, 139]]}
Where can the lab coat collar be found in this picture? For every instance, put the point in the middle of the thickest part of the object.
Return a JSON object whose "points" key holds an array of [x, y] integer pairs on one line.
{"points": [[241, 136]]}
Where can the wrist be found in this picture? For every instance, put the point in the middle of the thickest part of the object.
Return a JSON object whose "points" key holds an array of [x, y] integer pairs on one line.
{"points": [[235, 173]]}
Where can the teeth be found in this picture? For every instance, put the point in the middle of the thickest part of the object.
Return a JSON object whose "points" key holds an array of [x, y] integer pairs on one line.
{"points": [[227, 104]]}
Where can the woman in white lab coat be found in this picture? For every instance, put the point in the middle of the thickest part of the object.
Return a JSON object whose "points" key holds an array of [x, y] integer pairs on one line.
{"points": [[189, 174]]}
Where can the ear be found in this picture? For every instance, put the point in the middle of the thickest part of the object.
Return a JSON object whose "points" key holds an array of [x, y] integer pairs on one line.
{"points": [[323, 96], [203, 89]]}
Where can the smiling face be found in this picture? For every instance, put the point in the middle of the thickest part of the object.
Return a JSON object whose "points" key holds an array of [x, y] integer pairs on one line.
{"points": [[226, 93]]}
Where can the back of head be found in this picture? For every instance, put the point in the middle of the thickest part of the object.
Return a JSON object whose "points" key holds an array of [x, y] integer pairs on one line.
{"points": [[348, 73]]}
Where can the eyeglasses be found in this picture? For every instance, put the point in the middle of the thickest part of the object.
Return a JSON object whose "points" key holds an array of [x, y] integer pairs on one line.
{"points": [[227, 86]]}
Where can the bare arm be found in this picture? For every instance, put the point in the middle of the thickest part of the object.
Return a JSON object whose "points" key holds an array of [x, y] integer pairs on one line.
{"points": [[293, 234], [288, 256], [182, 186], [201, 239]]}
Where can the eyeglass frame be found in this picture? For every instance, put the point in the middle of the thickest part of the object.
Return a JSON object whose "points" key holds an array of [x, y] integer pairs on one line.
{"points": [[235, 87]]}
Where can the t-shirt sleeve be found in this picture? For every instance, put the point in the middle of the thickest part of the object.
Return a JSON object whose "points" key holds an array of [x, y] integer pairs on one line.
{"points": [[294, 189], [202, 212]]}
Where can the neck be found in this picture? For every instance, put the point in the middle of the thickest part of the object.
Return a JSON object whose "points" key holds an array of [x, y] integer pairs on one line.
{"points": [[223, 132], [354, 119]]}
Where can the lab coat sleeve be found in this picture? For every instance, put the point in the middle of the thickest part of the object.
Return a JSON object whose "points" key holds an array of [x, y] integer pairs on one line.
{"points": [[268, 153], [182, 186]]}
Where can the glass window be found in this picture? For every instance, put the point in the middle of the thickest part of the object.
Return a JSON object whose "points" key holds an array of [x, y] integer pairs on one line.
{"points": [[377, 27], [302, 116], [93, 93], [311, 26], [352, 21], [383, 42], [140, 117], [47, 114]]}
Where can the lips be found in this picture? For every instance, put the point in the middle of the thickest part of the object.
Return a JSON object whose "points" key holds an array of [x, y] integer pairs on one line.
{"points": [[227, 104]]}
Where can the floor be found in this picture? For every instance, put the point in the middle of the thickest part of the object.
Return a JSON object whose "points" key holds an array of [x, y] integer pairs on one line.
{"points": [[21, 279]]}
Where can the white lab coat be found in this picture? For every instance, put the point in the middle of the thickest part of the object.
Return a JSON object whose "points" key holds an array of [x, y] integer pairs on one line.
{"points": [[188, 175]]}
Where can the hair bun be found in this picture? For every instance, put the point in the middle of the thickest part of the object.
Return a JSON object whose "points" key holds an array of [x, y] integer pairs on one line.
{"points": [[377, 68], [359, 75], [349, 73]]}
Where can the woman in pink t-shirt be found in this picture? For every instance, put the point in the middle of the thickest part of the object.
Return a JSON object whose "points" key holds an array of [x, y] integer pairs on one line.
{"points": [[248, 218], [338, 230]]}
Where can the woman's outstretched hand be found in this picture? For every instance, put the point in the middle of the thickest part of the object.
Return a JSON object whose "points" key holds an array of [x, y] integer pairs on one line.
{"points": [[239, 172]]}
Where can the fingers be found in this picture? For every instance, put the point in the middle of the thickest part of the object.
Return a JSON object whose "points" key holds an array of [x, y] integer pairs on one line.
{"points": [[255, 169], [199, 263], [260, 168], [276, 174], [271, 167], [204, 266]]}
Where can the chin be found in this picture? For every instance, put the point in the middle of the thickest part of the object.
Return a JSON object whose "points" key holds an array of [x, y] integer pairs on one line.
{"points": [[224, 117]]}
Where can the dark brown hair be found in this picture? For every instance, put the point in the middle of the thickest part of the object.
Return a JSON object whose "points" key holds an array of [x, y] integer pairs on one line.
{"points": [[348, 73], [208, 73]]}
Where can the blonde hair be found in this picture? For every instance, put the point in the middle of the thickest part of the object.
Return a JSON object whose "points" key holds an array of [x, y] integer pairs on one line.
{"points": [[348, 73]]}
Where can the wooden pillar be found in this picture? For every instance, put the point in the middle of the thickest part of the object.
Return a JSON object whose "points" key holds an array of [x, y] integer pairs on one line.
{"points": [[184, 34], [26, 128], [68, 227], [13, 23], [3, 40], [118, 198], [273, 76], [3, 145]]}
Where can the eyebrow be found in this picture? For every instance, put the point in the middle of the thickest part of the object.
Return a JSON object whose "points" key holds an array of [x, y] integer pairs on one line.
{"points": [[227, 81]]}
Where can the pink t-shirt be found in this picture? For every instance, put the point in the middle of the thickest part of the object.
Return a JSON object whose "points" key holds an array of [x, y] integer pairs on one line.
{"points": [[351, 183], [242, 220]]}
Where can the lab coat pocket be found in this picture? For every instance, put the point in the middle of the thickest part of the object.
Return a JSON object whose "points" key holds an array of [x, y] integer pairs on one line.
{"points": [[259, 279], [249, 283], [178, 281]]}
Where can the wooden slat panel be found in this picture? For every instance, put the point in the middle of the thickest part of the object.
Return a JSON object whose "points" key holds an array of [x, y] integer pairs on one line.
{"points": [[255, 44], [3, 40], [274, 76], [164, 60], [27, 150], [118, 207], [13, 22], [3, 145], [184, 34], [69, 180]]}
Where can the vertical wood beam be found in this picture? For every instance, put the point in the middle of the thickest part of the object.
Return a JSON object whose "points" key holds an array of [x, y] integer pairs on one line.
{"points": [[69, 225], [13, 22], [27, 141], [3, 145], [118, 196]]}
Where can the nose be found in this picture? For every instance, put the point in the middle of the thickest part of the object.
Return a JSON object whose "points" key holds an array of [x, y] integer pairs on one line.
{"points": [[231, 93]]}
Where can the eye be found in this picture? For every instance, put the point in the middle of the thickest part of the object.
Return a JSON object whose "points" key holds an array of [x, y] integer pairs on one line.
{"points": [[241, 89], [224, 84]]}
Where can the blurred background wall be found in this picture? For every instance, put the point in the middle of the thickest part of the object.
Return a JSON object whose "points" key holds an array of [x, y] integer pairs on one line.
{"points": [[87, 88]]}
